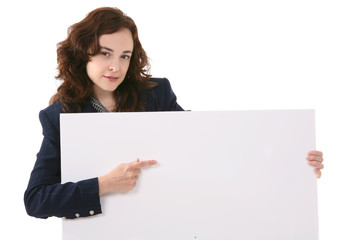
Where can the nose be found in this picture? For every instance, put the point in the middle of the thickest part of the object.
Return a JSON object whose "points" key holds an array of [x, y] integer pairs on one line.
{"points": [[114, 66]]}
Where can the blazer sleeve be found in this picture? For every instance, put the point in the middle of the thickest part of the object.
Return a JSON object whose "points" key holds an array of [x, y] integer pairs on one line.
{"points": [[162, 97], [45, 196], [170, 99]]}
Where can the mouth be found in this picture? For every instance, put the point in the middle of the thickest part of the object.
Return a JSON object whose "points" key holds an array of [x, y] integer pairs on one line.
{"points": [[111, 79]]}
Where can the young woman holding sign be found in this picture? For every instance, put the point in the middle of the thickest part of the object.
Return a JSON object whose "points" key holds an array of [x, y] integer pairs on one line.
{"points": [[104, 69]]}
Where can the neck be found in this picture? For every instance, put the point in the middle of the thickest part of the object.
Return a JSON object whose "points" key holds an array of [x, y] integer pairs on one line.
{"points": [[107, 99]]}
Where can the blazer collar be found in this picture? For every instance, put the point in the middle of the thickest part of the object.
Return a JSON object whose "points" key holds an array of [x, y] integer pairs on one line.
{"points": [[89, 108]]}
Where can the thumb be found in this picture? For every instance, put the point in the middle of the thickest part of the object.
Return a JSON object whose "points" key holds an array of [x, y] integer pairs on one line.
{"points": [[137, 160]]}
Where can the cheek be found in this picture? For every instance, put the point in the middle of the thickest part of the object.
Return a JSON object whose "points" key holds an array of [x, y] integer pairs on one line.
{"points": [[126, 67], [88, 70], [93, 69]]}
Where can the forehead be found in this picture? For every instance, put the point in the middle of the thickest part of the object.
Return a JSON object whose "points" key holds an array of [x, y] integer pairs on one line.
{"points": [[121, 40]]}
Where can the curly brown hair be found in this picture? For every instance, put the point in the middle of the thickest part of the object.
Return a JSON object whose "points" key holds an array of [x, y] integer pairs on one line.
{"points": [[82, 43]]}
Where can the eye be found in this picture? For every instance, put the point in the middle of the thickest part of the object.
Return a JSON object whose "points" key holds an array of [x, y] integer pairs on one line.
{"points": [[126, 57], [106, 54]]}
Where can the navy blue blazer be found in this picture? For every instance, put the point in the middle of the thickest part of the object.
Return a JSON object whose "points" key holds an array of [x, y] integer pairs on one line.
{"points": [[45, 196]]}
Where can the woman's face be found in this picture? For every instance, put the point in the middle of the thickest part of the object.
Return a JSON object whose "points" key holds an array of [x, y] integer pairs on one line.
{"points": [[108, 68]]}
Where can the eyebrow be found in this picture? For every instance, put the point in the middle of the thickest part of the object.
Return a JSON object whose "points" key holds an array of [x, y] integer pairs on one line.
{"points": [[109, 49]]}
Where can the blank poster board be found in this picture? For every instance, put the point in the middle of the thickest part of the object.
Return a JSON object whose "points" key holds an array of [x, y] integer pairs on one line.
{"points": [[221, 175]]}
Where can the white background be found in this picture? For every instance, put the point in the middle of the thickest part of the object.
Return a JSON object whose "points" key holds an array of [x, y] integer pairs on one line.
{"points": [[218, 55]]}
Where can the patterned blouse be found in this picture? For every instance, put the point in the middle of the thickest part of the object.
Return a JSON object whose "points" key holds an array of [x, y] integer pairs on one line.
{"points": [[97, 105]]}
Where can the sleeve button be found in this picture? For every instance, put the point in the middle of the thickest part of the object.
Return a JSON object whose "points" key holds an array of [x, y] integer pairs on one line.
{"points": [[91, 212], [77, 215]]}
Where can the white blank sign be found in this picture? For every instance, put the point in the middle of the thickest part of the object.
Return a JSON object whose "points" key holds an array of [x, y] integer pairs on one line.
{"points": [[221, 175]]}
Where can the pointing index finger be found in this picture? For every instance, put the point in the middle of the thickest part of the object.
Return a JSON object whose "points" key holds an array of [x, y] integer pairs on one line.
{"points": [[144, 163]]}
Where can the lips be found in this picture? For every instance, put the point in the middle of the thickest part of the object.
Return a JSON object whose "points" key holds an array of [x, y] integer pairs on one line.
{"points": [[111, 78]]}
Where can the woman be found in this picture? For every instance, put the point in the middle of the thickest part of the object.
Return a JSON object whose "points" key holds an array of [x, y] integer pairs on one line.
{"points": [[104, 69]]}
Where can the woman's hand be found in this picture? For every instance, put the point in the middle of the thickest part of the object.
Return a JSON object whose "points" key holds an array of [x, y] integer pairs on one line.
{"points": [[122, 178], [315, 159]]}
